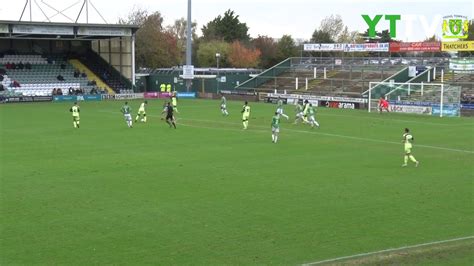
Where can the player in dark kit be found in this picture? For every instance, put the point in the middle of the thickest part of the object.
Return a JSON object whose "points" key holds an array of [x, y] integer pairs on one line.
{"points": [[169, 115]]}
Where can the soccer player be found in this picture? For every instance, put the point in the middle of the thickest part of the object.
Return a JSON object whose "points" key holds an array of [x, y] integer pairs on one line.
{"points": [[305, 111], [165, 107], [280, 109], [174, 101], [141, 112], [299, 113], [75, 114], [275, 127], [245, 115], [224, 106], [383, 105], [408, 140], [312, 121], [169, 115], [127, 114]]}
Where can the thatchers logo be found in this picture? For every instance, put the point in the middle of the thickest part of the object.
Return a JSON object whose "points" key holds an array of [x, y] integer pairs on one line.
{"points": [[455, 27]]}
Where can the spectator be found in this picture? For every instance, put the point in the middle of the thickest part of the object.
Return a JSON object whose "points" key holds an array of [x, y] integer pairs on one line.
{"points": [[60, 78], [2, 88], [21, 65], [15, 84], [1, 77], [8, 65], [84, 75], [63, 66], [59, 92], [28, 65], [49, 60], [93, 91], [3, 71], [54, 91], [70, 91], [76, 73], [13, 66]]}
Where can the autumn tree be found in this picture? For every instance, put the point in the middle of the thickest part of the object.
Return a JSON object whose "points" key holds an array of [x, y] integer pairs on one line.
{"points": [[268, 48], [243, 57], [155, 46]]}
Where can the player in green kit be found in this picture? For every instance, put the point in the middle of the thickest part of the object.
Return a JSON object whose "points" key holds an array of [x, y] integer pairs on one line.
{"points": [[141, 112], [224, 106], [311, 112], [75, 114], [280, 109], [275, 127], [245, 115], [299, 113], [305, 111], [127, 114], [407, 141]]}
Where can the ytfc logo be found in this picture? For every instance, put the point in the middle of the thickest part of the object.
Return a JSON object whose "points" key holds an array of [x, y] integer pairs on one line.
{"points": [[455, 27], [372, 23]]}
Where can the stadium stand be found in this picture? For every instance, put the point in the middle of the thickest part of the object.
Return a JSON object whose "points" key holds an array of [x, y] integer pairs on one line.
{"points": [[44, 75], [105, 71], [347, 78]]}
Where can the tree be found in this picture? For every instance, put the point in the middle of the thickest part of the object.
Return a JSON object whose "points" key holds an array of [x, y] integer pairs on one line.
{"points": [[178, 30], [286, 48], [227, 28], [243, 57], [206, 53], [384, 36], [137, 17], [333, 26], [320, 36], [268, 48], [347, 36], [155, 47]]}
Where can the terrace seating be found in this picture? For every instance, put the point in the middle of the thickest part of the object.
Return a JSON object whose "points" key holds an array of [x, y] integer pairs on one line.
{"points": [[42, 78], [32, 59], [339, 81]]}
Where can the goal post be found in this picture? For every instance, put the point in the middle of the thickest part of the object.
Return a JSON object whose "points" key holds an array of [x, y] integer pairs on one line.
{"points": [[437, 99]]}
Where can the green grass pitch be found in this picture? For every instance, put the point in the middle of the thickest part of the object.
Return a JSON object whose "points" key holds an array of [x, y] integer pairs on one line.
{"points": [[210, 193]]}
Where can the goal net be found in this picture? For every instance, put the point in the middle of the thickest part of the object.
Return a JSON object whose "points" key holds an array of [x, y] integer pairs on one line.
{"points": [[419, 98]]}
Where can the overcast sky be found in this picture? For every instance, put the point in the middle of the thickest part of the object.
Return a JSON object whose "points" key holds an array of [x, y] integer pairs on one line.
{"points": [[299, 18]]}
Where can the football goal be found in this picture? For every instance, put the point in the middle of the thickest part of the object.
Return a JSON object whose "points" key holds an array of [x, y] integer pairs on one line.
{"points": [[435, 99]]}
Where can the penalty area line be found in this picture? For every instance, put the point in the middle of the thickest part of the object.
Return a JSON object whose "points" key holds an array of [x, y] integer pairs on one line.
{"points": [[388, 250]]}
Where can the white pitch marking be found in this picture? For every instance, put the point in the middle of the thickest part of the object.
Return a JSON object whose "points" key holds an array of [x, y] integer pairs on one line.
{"points": [[388, 250]]}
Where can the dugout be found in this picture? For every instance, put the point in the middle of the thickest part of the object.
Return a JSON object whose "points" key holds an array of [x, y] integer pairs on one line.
{"points": [[110, 43]]}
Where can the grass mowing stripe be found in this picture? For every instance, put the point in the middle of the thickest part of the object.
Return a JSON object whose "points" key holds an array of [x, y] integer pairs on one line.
{"points": [[339, 136], [317, 133], [388, 250]]}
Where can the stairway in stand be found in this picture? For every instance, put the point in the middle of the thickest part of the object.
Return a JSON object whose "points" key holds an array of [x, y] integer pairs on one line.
{"points": [[91, 75]]}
